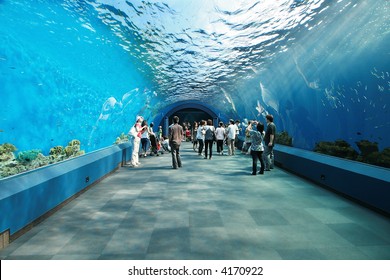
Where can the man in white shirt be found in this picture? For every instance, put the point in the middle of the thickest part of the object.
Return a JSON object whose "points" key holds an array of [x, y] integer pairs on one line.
{"points": [[231, 136]]}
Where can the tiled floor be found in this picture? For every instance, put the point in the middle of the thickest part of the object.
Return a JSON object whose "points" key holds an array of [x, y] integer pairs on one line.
{"points": [[209, 209]]}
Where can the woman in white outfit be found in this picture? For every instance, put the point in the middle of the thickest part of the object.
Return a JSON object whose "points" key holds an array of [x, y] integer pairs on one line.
{"points": [[136, 132]]}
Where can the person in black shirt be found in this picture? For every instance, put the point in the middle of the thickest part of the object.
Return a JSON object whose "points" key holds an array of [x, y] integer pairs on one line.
{"points": [[269, 141]]}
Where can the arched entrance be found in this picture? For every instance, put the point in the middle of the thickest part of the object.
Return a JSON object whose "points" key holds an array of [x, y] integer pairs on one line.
{"points": [[188, 111]]}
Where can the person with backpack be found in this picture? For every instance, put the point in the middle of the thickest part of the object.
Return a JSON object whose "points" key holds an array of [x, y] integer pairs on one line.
{"points": [[209, 139]]}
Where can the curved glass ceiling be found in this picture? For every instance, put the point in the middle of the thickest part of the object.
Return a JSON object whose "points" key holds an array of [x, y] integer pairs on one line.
{"points": [[85, 69]]}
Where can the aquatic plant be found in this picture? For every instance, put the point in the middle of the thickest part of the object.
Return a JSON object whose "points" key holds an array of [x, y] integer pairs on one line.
{"points": [[283, 138]]}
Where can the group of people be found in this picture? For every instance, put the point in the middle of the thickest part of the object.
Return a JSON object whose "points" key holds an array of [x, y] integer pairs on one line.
{"points": [[259, 142], [145, 140]]}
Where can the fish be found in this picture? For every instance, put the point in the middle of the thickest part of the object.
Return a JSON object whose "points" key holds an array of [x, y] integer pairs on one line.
{"points": [[259, 108]]}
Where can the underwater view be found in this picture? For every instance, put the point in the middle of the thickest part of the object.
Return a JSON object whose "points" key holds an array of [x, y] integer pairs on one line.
{"points": [[76, 74]]}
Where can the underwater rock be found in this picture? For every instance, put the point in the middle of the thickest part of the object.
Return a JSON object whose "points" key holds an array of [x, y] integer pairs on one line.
{"points": [[283, 138]]}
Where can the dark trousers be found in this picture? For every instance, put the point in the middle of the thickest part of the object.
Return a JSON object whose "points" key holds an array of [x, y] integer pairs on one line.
{"points": [[144, 144], [219, 146], [208, 148], [176, 160], [257, 155], [200, 150]]}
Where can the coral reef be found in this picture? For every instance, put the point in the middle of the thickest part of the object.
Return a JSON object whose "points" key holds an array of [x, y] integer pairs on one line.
{"points": [[339, 148], [283, 138], [121, 139], [369, 152], [32, 159], [6, 152], [73, 149], [28, 156]]}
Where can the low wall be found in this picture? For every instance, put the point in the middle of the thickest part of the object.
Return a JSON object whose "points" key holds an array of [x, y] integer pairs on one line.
{"points": [[368, 184], [26, 197]]}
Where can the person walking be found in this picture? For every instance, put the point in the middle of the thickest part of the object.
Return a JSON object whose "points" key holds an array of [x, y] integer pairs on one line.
{"points": [[144, 139], [269, 141], [200, 136], [209, 139], [220, 136], [256, 131], [231, 136], [194, 138], [175, 138]]}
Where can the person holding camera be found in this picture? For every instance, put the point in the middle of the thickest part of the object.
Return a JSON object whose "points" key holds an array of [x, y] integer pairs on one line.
{"points": [[256, 131]]}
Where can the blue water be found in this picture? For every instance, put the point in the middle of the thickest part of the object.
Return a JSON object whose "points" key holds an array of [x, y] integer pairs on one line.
{"points": [[84, 69]]}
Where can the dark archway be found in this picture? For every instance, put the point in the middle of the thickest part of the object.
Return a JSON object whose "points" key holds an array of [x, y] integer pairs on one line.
{"points": [[189, 110], [190, 115]]}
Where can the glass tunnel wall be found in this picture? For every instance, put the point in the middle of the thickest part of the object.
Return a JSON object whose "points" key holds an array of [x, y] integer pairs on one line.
{"points": [[70, 70], [64, 76]]}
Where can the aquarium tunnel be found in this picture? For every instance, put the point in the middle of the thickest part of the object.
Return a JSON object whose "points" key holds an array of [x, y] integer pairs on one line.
{"points": [[82, 71], [75, 75]]}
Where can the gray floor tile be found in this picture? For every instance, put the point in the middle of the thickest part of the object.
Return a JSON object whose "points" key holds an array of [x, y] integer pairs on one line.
{"points": [[205, 218], [171, 241], [128, 242], [358, 235], [267, 217], [172, 219]]}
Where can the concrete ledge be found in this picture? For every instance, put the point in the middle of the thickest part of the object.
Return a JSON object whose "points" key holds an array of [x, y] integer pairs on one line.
{"points": [[27, 197], [368, 184]]}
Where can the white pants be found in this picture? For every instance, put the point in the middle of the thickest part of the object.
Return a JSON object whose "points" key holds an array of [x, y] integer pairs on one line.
{"points": [[135, 154]]}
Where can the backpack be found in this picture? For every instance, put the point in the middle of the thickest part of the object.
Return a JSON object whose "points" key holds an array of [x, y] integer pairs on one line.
{"points": [[209, 134]]}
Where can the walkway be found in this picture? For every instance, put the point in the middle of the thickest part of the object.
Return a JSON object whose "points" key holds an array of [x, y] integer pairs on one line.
{"points": [[209, 209]]}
